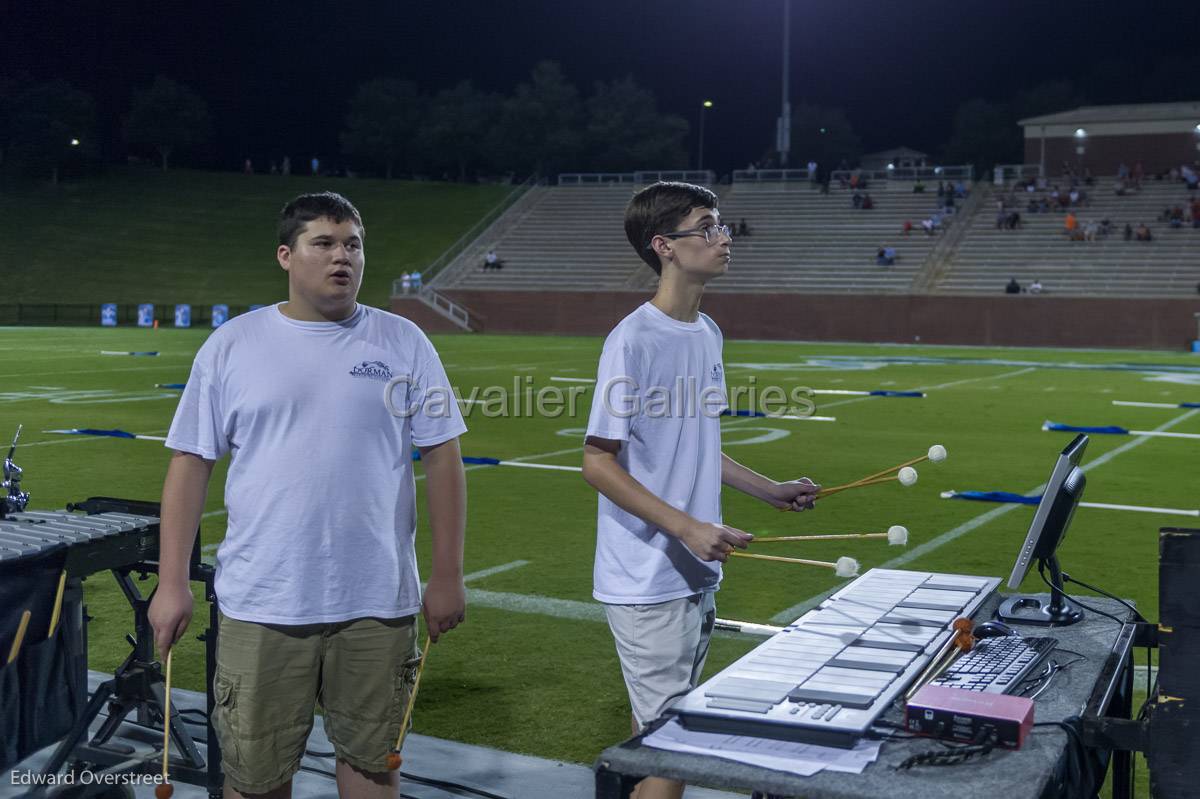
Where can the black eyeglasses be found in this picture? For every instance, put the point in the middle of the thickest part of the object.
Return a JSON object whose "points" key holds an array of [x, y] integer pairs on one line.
{"points": [[711, 233]]}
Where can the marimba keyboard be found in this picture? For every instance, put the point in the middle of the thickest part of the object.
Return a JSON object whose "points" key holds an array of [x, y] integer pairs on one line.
{"points": [[827, 676], [96, 542]]}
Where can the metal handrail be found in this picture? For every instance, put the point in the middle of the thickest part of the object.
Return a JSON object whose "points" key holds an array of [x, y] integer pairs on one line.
{"points": [[460, 244]]}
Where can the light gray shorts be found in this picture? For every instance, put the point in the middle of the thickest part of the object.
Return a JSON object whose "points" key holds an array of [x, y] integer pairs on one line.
{"points": [[662, 649]]}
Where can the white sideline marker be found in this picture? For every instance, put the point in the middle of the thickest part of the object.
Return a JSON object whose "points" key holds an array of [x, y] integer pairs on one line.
{"points": [[573, 379]]}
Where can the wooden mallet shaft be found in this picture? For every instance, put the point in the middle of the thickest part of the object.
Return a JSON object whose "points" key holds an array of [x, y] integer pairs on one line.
{"points": [[824, 492], [62, 583], [912, 462], [19, 638], [801, 561], [412, 697], [838, 537]]}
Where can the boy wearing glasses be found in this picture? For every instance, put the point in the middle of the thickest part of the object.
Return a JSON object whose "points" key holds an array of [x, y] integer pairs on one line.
{"points": [[653, 452]]}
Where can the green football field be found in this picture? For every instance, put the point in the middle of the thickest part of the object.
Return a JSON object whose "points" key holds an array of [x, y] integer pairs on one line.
{"points": [[533, 668]]}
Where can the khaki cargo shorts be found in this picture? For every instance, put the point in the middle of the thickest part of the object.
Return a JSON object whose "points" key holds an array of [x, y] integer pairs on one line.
{"points": [[270, 677]]}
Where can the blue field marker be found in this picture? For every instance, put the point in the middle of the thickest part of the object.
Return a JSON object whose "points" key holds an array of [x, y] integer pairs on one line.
{"points": [[875, 393], [172, 386], [1111, 430], [1007, 497], [761, 415], [149, 354], [92, 431]]}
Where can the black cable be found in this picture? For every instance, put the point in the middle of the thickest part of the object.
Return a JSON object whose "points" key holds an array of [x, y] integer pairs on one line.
{"points": [[984, 743], [1042, 574], [1069, 579]]}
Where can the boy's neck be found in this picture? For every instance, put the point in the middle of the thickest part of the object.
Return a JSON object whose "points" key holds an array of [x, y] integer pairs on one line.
{"points": [[678, 298]]}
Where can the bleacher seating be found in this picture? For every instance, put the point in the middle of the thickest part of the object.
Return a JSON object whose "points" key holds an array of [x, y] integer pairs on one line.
{"points": [[571, 237], [803, 240], [1167, 266]]}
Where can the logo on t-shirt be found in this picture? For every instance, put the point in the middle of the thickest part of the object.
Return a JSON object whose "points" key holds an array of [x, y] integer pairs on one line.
{"points": [[716, 373], [372, 370]]}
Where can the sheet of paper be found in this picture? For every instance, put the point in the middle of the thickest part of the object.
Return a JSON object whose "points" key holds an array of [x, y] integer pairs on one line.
{"points": [[788, 756]]}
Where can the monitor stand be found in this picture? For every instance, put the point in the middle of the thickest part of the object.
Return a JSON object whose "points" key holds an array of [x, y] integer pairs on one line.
{"points": [[1058, 612]]}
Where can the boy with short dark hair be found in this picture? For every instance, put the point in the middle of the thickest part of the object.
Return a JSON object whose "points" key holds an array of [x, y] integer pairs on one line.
{"points": [[319, 402], [653, 452]]}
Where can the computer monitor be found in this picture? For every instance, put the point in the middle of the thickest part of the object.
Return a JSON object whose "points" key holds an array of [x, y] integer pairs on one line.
{"points": [[1063, 492]]}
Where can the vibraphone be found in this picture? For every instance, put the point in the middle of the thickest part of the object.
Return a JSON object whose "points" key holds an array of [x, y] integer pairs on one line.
{"points": [[95, 543], [121, 536]]}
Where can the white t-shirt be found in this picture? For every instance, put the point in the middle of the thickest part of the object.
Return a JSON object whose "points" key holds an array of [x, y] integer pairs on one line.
{"points": [[660, 389], [320, 490]]}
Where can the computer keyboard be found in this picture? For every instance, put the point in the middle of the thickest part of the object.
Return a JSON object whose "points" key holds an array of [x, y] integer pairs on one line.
{"points": [[997, 665]]}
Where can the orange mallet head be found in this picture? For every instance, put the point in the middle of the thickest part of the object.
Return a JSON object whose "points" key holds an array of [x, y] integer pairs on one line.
{"points": [[163, 790], [393, 762]]}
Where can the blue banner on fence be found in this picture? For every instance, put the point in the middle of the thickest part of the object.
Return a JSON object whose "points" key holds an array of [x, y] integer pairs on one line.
{"points": [[108, 314], [183, 316], [220, 315], [146, 315]]}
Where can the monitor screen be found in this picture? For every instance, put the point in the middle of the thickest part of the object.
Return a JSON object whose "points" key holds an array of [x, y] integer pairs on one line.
{"points": [[1054, 512]]}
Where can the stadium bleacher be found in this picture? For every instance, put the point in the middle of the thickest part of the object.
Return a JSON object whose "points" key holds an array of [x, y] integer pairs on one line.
{"points": [[1109, 266], [803, 240], [570, 237]]}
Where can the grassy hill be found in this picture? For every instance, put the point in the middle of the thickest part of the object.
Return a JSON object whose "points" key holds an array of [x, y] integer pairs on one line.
{"points": [[142, 235]]}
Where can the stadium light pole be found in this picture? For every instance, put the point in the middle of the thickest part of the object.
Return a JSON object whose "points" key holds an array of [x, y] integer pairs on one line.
{"points": [[707, 104], [783, 129]]}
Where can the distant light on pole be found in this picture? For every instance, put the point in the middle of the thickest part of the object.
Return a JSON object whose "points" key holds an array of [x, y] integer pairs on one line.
{"points": [[704, 106], [74, 142]]}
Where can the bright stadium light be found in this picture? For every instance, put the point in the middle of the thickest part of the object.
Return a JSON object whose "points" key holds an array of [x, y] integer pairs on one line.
{"points": [[708, 103], [1080, 133], [74, 142]]}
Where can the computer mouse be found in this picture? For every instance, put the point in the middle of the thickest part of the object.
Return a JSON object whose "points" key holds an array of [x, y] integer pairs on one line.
{"points": [[992, 629]]}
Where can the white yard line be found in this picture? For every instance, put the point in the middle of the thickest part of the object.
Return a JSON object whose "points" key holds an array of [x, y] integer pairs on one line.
{"points": [[952, 383]]}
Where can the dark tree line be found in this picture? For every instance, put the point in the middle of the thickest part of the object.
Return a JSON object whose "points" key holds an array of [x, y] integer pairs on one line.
{"points": [[543, 127], [393, 127]]}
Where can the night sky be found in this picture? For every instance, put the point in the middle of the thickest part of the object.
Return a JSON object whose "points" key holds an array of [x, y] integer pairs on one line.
{"points": [[277, 76]]}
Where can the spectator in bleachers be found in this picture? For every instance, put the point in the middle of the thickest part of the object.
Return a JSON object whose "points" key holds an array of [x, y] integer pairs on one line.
{"points": [[1176, 217], [743, 230], [1088, 180], [1073, 197], [1195, 212], [856, 201], [1120, 187], [812, 171], [1128, 235], [416, 281], [1143, 233], [1035, 287], [1091, 230], [928, 226], [1123, 171], [867, 203], [941, 189], [1071, 224], [1013, 287], [1139, 173], [885, 256], [919, 187], [492, 261], [1013, 221], [907, 227], [1189, 177], [960, 190]]}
